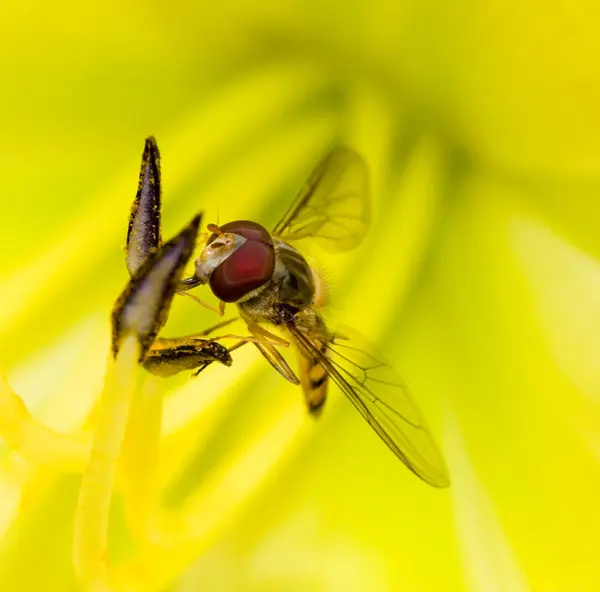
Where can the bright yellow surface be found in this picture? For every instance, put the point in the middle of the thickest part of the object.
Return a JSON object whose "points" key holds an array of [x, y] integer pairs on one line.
{"points": [[480, 122]]}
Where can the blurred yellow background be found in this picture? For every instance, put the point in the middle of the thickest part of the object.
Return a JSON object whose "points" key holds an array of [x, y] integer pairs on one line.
{"points": [[480, 124]]}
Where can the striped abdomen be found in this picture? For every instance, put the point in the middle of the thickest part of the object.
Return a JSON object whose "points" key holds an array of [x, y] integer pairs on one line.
{"points": [[311, 351]]}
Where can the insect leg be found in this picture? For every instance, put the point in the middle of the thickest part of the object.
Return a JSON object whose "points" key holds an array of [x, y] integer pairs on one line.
{"points": [[277, 361], [201, 302], [213, 328], [264, 335]]}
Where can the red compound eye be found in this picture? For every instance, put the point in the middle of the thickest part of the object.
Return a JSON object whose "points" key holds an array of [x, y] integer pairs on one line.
{"points": [[249, 230], [249, 267]]}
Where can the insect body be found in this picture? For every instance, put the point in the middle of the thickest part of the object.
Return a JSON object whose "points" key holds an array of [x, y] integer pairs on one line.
{"points": [[273, 284]]}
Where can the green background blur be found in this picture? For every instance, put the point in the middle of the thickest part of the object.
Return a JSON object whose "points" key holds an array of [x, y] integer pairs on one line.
{"points": [[480, 122]]}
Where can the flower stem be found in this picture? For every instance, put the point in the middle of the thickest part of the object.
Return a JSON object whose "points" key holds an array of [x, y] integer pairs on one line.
{"points": [[93, 507], [140, 459]]}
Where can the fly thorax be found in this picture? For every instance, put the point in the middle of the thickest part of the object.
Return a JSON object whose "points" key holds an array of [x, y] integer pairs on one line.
{"points": [[294, 277]]}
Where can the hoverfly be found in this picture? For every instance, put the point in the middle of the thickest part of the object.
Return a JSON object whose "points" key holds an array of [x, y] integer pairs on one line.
{"points": [[272, 284]]}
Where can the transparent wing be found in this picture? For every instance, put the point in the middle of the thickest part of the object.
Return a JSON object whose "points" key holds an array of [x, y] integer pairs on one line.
{"points": [[333, 206], [380, 396]]}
